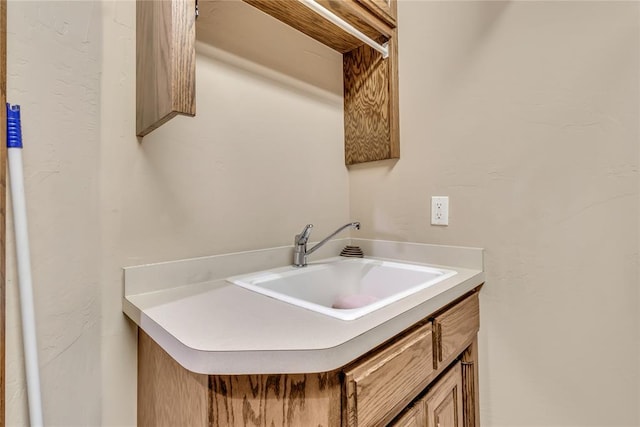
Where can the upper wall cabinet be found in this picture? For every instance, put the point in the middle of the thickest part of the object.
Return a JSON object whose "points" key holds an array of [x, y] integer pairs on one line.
{"points": [[166, 64]]}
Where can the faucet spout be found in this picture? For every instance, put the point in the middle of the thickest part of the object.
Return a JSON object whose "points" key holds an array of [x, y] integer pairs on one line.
{"points": [[303, 237], [300, 243]]}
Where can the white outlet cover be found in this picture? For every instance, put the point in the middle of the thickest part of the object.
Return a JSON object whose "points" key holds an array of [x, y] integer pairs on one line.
{"points": [[440, 210]]}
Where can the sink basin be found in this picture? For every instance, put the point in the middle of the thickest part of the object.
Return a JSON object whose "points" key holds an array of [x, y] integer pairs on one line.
{"points": [[344, 288]]}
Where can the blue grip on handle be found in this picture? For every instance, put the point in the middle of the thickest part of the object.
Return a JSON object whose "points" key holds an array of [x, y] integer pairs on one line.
{"points": [[14, 128]]}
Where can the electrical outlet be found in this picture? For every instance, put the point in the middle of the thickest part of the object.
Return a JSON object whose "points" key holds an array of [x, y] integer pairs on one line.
{"points": [[440, 210]]}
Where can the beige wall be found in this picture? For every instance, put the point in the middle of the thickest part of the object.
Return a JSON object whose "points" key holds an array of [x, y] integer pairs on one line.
{"points": [[263, 158], [53, 69], [525, 114]]}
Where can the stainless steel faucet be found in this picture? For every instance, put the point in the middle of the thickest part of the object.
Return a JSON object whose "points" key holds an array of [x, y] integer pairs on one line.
{"points": [[300, 251]]}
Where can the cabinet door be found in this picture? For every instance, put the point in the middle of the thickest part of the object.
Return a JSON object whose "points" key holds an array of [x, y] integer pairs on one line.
{"points": [[440, 407], [443, 403], [414, 417], [455, 329]]}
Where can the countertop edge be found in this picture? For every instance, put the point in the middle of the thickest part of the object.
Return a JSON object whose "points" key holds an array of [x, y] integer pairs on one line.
{"points": [[295, 361]]}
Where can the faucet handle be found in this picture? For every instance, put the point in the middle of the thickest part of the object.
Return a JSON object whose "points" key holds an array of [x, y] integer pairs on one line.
{"points": [[301, 239]]}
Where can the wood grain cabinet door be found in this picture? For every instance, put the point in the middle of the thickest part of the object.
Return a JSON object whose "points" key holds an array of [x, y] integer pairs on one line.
{"points": [[413, 417], [455, 329], [440, 407], [443, 403]]}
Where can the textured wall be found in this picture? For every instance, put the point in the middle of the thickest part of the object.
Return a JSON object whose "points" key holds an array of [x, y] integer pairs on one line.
{"points": [[54, 65], [526, 115], [262, 158]]}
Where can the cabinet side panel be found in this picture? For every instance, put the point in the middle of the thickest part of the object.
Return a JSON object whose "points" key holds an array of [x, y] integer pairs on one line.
{"points": [[153, 64], [165, 62], [276, 400], [367, 126], [168, 394]]}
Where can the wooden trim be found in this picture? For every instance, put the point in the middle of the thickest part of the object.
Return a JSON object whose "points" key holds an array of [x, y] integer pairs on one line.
{"points": [[470, 396], [437, 344], [394, 98], [3, 191]]}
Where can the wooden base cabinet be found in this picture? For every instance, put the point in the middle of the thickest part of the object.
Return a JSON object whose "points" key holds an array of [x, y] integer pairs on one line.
{"points": [[426, 376]]}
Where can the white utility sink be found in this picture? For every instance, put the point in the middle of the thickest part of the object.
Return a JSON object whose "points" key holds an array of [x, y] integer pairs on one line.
{"points": [[344, 288]]}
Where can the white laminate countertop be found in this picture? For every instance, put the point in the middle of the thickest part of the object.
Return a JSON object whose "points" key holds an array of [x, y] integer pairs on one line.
{"points": [[211, 326]]}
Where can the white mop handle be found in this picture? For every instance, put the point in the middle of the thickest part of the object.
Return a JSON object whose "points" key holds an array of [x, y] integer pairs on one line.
{"points": [[14, 151]]}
